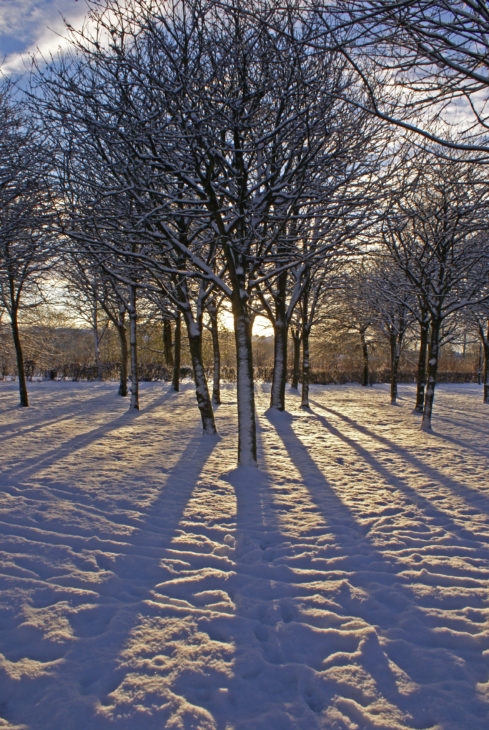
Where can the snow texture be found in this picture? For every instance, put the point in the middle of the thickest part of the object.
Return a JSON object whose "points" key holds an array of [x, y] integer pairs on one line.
{"points": [[145, 582]]}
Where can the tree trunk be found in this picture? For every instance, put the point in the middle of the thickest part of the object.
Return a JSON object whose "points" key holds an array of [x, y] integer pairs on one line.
{"points": [[480, 362], [96, 342], [485, 344], [167, 343], [121, 331], [433, 358], [177, 354], [134, 402], [216, 372], [296, 339], [421, 371], [395, 351], [245, 387], [306, 372], [365, 371], [24, 400], [486, 372], [194, 332], [279, 377]]}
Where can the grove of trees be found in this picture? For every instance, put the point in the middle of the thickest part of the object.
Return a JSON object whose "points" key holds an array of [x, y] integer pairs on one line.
{"points": [[178, 160]]}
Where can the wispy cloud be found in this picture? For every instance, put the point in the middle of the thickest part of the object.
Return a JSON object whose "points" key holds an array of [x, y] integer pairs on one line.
{"points": [[29, 26]]}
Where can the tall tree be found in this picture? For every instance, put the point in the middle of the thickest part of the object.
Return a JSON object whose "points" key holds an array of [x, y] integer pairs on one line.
{"points": [[434, 234], [25, 238], [392, 300], [216, 122]]}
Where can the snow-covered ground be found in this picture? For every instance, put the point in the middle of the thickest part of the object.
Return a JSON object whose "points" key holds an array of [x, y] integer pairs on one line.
{"points": [[146, 583]]}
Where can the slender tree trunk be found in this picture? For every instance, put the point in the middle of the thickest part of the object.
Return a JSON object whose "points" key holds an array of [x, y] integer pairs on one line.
{"points": [[96, 342], [306, 372], [279, 377], [421, 371], [177, 342], [134, 402], [365, 371], [24, 400], [245, 386], [433, 358], [216, 351], [485, 372], [395, 346], [194, 332], [485, 344], [296, 339], [123, 370], [167, 343]]}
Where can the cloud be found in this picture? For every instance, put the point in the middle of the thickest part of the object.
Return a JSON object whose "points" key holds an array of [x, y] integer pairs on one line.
{"points": [[31, 26]]}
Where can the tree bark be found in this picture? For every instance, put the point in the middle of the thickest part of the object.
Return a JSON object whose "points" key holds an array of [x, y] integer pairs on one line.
{"points": [[421, 371], [96, 342], [306, 372], [216, 352], [123, 370], [194, 332], [24, 400], [394, 353], [365, 371], [485, 372], [167, 343], [433, 358], [296, 339], [177, 342], [245, 386], [279, 377], [134, 402], [480, 364]]}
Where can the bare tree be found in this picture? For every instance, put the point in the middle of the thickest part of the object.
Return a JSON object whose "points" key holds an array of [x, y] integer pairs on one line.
{"points": [[25, 238], [350, 309], [349, 184], [83, 287], [434, 234], [216, 126], [92, 292], [391, 299], [213, 306]]}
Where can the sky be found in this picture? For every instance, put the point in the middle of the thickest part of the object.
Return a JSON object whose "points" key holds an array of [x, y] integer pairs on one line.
{"points": [[28, 25]]}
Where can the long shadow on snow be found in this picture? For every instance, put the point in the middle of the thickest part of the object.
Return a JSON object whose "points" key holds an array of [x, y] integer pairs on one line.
{"points": [[77, 443], [463, 443], [115, 607], [394, 613], [461, 423], [275, 683], [66, 411], [37, 414], [440, 519], [470, 495], [66, 449]]}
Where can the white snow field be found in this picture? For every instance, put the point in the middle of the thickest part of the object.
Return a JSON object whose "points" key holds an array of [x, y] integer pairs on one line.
{"points": [[146, 583]]}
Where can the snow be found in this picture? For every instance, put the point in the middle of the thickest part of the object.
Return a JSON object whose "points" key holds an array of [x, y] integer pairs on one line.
{"points": [[145, 582]]}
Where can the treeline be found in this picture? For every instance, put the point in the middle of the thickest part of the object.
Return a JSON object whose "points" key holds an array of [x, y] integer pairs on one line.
{"points": [[67, 353], [178, 160]]}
